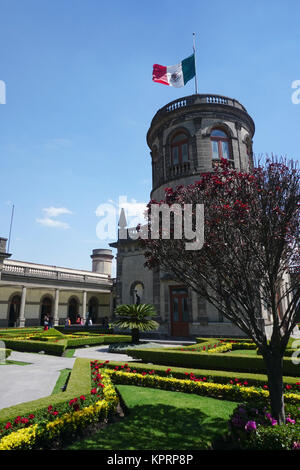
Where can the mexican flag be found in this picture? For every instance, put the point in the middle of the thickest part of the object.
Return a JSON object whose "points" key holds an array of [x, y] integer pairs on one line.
{"points": [[175, 75]]}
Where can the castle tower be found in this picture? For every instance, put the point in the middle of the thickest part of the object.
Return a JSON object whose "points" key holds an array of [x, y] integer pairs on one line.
{"points": [[186, 137], [189, 136], [101, 261]]}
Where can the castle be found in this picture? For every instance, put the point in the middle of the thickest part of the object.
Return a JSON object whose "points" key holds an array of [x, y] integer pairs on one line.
{"points": [[186, 137]]}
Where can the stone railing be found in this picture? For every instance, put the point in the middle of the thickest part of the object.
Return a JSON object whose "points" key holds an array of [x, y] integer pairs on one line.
{"points": [[180, 169], [198, 99], [56, 274]]}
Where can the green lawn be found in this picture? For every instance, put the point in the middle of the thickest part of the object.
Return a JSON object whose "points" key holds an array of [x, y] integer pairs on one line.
{"points": [[162, 420], [244, 352]]}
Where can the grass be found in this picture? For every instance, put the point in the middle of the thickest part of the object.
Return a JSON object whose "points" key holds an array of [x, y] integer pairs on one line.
{"points": [[61, 381], [162, 420], [69, 352], [244, 352], [18, 363]]}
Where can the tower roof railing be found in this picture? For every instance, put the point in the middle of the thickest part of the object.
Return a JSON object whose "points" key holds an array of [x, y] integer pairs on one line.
{"points": [[199, 99]]}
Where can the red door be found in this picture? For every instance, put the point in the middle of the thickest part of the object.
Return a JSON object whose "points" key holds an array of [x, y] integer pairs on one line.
{"points": [[179, 311]]}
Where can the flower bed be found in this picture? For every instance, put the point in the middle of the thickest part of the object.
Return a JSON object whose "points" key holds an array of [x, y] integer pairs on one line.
{"points": [[235, 391], [291, 384], [253, 427], [59, 423]]}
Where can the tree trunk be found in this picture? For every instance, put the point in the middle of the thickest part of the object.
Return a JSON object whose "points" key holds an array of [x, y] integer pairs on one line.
{"points": [[274, 364], [135, 333]]}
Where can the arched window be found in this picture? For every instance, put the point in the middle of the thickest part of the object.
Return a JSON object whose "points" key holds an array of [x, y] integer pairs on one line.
{"points": [[137, 292], [14, 310], [93, 309], [220, 145], [180, 149], [46, 308], [73, 309]]}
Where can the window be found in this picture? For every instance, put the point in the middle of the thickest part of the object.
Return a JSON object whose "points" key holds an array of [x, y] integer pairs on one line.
{"points": [[14, 310], [220, 145], [73, 310], [46, 308], [180, 149]]}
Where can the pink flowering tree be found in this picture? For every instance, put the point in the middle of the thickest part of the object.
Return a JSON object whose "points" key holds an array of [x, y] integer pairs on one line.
{"points": [[251, 243]]}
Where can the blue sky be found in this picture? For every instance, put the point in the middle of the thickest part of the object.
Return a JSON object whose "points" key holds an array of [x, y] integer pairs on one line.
{"points": [[80, 99]]}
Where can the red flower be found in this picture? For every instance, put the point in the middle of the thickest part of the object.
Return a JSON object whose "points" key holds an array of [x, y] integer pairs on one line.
{"points": [[82, 397], [73, 401], [8, 425], [50, 408], [93, 391], [31, 416]]}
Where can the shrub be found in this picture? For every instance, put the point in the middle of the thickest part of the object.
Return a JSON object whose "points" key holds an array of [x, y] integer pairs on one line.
{"points": [[208, 361], [252, 427], [55, 349]]}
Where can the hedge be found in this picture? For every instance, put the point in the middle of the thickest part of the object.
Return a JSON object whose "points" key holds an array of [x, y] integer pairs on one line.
{"points": [[109, 339], [218, 376], [55, 349], [94, 329], [209, 361]]}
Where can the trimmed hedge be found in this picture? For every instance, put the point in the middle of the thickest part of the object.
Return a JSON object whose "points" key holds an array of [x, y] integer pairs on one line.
{"points": [[218, 376], [48, 347], [109, 339], [66, 330], [209, 361]]}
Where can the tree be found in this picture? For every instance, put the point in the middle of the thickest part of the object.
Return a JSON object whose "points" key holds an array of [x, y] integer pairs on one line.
{"points": [[136, 318], [251, 241]]}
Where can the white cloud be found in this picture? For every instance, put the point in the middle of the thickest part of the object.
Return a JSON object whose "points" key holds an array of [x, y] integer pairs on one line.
{"points": [[56, 211], [47, 222], [49, 218]]}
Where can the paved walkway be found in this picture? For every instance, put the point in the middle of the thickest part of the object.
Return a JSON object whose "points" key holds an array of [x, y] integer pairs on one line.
{"points": [[19, 383]]}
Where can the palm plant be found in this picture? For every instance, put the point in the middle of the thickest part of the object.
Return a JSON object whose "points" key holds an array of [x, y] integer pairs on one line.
{"points": [[136, 318]]}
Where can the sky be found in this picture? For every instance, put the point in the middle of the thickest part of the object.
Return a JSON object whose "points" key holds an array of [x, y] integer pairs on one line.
{"points": [[79, 100]]}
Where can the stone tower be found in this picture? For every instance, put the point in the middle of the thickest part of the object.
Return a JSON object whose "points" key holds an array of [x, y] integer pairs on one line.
{"points": [[186, 137], [102, 261]]}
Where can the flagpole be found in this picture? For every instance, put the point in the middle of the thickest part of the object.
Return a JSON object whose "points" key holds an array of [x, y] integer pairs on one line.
{"points": [[11, 220], [194, 48]]}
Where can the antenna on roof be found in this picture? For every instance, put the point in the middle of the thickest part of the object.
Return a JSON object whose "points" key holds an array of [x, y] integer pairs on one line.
{"points": [[11, 220]]}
